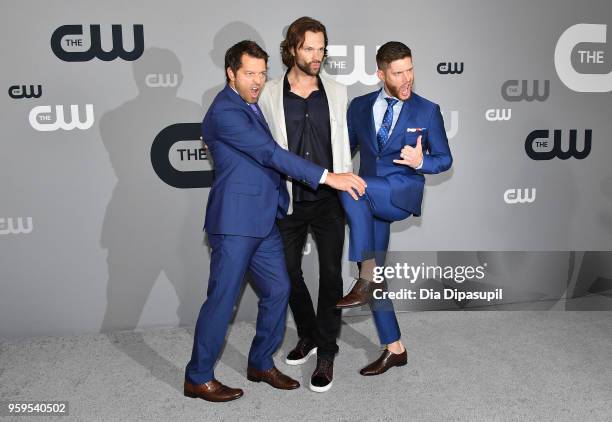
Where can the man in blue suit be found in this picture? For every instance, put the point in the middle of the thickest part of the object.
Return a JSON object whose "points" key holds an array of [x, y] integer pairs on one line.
{"points": [[247, 195], [401, 137]]}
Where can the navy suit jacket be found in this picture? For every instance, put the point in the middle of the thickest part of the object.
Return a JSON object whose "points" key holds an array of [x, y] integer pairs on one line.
{"points": [[248, 192], [406, 183]]}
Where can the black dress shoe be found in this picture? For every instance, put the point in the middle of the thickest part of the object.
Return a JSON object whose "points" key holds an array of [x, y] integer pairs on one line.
{"points": [[384, 362], [360, 294], [302, 351], [323, 376]]}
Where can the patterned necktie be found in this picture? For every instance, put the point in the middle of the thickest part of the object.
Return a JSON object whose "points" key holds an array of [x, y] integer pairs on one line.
{"points": [[383, 133]]}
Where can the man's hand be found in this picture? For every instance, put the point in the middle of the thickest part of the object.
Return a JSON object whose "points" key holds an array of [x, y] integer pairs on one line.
{"points": [[411, 156], [347, 182]]}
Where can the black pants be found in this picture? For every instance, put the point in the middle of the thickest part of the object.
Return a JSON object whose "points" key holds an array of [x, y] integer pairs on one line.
{"points": [[326, 219]]}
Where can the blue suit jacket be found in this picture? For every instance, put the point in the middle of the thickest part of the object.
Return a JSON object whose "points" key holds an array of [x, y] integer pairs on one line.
{"points": [[406, 183], [247, 194]]}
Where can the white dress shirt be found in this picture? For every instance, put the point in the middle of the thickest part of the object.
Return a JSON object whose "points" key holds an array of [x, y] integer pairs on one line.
{"points": [[380, 107]]}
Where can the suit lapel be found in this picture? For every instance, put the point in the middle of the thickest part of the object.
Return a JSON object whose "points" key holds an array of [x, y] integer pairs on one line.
{"points": [[261, 119], [279, 109], [371, 127], [238, 100], [331, 103], [406, 114]]}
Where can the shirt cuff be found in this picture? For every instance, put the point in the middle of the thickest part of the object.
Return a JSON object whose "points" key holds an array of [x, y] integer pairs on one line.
{"points": [[323, 177]]}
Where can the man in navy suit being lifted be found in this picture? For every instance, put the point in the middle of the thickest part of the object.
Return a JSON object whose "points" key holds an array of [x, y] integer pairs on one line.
{"points": [[401, 137]]}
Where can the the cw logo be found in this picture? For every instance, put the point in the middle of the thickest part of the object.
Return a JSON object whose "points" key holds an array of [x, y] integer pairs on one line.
{"points": [[59, 41], [41, 119], [496, 114], [17, 91], [161, 80], [160, 157], [580, 82], [450, 68], [510, 90], [307, 249], [539, 139], [453, 123], [16, 226], [358, 74], [516, 196]]}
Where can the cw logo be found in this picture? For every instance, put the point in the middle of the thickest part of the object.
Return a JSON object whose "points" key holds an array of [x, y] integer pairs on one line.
{"points": [[17, 91], [453, 122], [519, 196], [16, 225], [580, 82], [539, 139], [168, 80], [41, 119], [72, 36], [358, 74], [187, 173], [450, 68], [496, 114], [307, 249], [514, 90]]}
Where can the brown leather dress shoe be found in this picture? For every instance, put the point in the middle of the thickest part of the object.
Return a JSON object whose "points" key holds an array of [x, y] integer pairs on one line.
{"points": [[360, 294], [274, 377], [384, 362], [213, 390]]}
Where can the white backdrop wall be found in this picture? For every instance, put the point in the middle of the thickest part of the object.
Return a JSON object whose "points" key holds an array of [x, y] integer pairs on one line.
{"points": [[101, 209]]}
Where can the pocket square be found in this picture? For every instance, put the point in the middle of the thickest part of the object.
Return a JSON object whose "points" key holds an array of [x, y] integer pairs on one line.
{"points": [[416, 129]]}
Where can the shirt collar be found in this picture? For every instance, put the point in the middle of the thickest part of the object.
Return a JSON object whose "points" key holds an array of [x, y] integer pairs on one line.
{"points": [[233, 89], [287, 86], [383, 94]]}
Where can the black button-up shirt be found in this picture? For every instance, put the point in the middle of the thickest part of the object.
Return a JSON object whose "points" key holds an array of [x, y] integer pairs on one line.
{"points": [[309, 135]]}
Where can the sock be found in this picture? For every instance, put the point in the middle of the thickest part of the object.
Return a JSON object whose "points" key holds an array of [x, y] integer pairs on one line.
{"points": [[367, 269]]}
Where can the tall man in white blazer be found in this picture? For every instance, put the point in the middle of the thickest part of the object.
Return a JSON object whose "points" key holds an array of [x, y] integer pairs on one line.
{"points": [[307, 115]]}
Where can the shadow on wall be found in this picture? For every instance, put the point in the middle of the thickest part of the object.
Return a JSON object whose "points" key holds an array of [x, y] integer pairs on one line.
{"points": [[227, 36], [151, 228], [593, 274]]}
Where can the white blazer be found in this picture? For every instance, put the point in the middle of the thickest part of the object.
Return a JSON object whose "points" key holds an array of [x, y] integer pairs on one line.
{"points": [[271, 104]]}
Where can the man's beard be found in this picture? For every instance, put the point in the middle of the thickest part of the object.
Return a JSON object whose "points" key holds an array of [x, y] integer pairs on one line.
{"points": [[305, 67], [395, 91]]}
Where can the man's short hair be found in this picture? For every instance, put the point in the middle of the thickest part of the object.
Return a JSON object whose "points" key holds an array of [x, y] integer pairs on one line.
{"points": [[391, 51], [296, 33], [233, 56]]}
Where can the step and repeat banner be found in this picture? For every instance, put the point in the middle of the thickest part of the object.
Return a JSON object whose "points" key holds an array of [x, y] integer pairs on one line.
{"points": [[105, 181]]}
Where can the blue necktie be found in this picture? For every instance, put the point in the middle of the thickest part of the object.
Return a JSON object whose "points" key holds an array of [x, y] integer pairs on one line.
{"points": [[383, 133], [258, 112], [255, 109]]}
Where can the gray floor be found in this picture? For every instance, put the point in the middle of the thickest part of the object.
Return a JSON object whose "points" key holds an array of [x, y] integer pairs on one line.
{"points": [[489, 366]]}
